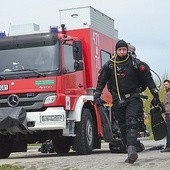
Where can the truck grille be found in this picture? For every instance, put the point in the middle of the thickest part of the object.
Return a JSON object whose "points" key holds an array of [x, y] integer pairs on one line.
{"points": [[29, 101]]}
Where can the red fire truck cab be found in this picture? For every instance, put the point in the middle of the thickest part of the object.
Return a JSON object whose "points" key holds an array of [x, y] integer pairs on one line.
{"points": [[47, 82]]}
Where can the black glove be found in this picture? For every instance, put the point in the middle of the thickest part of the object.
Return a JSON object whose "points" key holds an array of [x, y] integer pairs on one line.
{"points": [[155, 101], [162, 107], [99, 102]]}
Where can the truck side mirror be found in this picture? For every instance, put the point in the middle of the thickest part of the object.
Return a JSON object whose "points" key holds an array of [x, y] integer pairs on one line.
{"points": [[78, 66], [77, 50]]}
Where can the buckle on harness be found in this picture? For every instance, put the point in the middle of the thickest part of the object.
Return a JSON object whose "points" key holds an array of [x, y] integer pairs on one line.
{"points": [[127, 95]]}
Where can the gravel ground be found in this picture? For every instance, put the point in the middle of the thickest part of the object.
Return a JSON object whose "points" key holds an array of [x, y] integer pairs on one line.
{"points": [[99, 160]]}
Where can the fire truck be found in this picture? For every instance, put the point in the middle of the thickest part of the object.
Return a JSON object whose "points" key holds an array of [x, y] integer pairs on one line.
{"points": [[48, 80]]}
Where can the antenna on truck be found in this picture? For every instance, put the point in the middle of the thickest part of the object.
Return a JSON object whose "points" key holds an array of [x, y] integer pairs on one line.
{"points": [[63, 28], [9, 29]]}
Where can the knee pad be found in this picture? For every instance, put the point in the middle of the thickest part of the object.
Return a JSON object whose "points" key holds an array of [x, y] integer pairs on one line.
{"points": [[132, 123], [132, 131]]}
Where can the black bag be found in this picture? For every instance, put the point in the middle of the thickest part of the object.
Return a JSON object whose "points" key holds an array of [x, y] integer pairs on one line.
{"points": [[117, 146]]}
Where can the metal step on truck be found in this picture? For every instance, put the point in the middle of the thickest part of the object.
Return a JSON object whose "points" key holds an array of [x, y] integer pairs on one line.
{"points": [[47, 83]]}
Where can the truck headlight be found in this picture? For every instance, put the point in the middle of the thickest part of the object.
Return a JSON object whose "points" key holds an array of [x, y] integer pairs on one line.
{"points": [[50, 99]]}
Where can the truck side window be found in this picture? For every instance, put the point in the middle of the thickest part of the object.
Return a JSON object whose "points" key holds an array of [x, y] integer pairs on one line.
{"points": [[68, 59], [105, 56]]}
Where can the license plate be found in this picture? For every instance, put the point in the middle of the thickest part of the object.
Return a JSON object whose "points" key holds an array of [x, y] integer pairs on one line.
{"points": [[50, 118], [3, 87]]}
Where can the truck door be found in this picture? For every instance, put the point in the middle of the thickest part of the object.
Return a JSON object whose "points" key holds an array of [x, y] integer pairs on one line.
{"points": [[73, 79]]}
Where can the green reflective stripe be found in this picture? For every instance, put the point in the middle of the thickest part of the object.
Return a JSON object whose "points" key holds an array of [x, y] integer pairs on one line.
{"points": [[44, 82]]}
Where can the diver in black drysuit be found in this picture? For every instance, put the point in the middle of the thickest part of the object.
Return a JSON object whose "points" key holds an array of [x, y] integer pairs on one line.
{"points": [[126, 77]]}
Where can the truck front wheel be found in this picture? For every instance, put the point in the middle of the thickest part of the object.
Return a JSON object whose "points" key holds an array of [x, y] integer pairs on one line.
{"points": [[84, 140], [5, 146]]}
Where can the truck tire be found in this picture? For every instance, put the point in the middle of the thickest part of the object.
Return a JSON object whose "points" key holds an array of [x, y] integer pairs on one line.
{"points": [[62, 145], [5, 146], [84, 140]]}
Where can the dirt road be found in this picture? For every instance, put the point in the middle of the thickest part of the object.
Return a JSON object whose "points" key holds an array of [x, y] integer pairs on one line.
{"points": [[98, 160]]}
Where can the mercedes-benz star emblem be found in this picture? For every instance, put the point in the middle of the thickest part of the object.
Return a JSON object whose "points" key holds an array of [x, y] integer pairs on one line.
{"points": [[13, 100]]}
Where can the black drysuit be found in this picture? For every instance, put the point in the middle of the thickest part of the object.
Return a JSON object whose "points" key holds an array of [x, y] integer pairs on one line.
{"points": [[130, 76]]}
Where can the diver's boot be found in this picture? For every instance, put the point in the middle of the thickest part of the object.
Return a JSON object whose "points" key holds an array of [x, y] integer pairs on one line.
{"points": [[132, 154]]}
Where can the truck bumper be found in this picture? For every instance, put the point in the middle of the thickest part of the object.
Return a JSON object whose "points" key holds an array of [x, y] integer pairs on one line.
{"points": [[14, 120], [52, 118]]}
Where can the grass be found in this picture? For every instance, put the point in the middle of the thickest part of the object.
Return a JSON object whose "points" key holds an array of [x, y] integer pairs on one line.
{"points": [[11, 167]]}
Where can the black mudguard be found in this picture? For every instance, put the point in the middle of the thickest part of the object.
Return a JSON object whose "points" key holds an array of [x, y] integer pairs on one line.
{"points": [[158, 124], [106, 124]]}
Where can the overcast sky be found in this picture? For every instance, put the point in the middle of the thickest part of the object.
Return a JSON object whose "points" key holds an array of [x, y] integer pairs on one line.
{"points": [[143, 23]]}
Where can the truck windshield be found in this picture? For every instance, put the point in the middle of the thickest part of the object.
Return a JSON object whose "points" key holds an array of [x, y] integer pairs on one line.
{"points": [[42, 59]]}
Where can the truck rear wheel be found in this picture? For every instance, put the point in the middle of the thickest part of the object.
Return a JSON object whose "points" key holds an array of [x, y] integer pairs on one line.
{"points": [[62, 145], [5, 146], [84, 140]]}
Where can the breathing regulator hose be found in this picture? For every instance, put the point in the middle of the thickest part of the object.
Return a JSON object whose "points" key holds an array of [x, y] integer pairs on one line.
{"points": [[160, 82], [115, 71]]}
